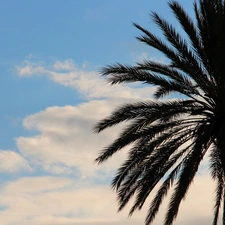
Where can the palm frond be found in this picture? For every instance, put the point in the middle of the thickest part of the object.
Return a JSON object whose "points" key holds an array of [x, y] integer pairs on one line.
{"points": [[169, 139], [163, 190]]}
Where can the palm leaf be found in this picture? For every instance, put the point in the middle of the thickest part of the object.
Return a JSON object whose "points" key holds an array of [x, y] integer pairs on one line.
{"points": [[169, 139]]}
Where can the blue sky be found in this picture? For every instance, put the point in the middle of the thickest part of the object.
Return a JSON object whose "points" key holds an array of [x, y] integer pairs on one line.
{"points": [[51, 96]]}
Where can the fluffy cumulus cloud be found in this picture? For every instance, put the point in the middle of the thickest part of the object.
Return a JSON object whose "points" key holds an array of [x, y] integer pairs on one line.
{"points": [[64, 146], [66, 142]]}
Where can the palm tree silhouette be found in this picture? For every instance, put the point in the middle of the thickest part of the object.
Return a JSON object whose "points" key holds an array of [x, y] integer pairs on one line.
{"points": [[171, 137]]}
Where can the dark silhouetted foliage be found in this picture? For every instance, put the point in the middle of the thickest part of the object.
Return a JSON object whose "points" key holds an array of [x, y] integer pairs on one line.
{"points": [[171, 137]]}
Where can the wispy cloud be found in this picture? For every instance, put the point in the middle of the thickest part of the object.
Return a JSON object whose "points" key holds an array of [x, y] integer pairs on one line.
{"points": [[145, 56], [88, 83], [12, 162], [65, 65], [28, 69]]}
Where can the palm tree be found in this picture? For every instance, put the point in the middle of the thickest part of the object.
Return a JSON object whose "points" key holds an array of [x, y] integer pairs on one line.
{"points": [[171, 137]]}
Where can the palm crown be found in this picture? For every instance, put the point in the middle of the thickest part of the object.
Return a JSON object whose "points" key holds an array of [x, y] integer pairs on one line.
{"points": [[171, 137]]}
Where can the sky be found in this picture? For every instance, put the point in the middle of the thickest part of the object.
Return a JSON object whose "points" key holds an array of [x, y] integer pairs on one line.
{"points": [[52, 95]]}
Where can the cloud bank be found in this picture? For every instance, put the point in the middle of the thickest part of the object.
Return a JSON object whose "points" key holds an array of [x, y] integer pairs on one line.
{"points": [[75, 190]]}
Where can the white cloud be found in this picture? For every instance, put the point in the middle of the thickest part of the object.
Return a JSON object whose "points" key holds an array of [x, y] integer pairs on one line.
{"points": [[65, 144], [28, 69], [49, 200], [88, 83], [65, 65], [35, 185], [145, 56], [11, 162], [66, 141]]}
